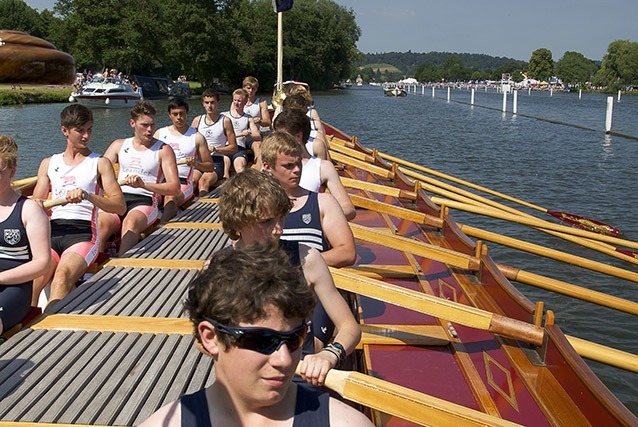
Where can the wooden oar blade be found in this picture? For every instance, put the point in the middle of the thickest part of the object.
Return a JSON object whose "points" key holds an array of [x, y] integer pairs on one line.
{"points": [[586, 223]]}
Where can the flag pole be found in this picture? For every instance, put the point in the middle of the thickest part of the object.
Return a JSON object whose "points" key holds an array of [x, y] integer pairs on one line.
{"points": [[280, 51]]}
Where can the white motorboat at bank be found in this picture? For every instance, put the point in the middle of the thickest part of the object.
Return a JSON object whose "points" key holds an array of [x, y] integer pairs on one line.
{"points": [[105, 93]]}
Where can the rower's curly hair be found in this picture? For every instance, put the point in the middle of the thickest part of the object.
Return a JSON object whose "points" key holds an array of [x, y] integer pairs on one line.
{"points": [[8, 151], [250, 197], [240, 284]]}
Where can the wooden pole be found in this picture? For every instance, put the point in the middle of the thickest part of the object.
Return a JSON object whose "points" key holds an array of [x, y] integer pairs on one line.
{"points": [[402, 402], [438, 307], [534, 222]]}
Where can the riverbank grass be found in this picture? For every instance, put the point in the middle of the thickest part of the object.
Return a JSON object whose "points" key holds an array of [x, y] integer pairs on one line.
{"points": [[17, 94]]}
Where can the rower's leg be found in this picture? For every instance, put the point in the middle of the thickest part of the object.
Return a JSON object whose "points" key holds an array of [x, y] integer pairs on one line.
{"points": [[108, 225], [170, 207], [39, 283], [69, 270], [134, 223], [239, 164]]}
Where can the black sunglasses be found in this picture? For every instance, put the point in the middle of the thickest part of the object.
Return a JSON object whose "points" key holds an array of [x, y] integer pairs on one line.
{"points": [[263, 340]]}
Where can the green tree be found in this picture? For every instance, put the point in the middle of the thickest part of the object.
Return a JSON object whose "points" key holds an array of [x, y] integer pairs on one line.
{"points": [[453, 69], [541, 64], [574, 68], [17, 15], [427, 73], [620, 65]]}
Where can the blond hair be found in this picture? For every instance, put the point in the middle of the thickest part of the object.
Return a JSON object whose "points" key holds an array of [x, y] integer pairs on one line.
{"points": [[250, 80], [8, 151], [279, 142]]}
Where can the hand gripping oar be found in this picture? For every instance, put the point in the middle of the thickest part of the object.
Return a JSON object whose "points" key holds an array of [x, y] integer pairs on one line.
{"points": [[569, 218], [402, 402]]}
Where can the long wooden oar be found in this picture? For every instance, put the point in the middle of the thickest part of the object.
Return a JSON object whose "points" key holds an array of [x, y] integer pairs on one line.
{"points": [[402, 402], [465, 261], [572, 219], [593, 242], [438, 307], [479, 233]]}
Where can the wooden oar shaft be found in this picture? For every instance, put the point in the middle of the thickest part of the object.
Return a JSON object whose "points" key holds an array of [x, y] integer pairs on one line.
{"points": [[568, 289], [604, 354], [533, 222], [460, 181], [511, 273], [549, 253], [405, 403], [438, 307]]}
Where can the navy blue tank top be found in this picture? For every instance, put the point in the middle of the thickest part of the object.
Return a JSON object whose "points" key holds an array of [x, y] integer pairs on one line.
{"points": [[304, 225], [14, 243], [311, 408]]}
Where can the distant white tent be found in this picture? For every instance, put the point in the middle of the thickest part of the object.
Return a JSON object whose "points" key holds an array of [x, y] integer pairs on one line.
{"points": [[409, 81]]}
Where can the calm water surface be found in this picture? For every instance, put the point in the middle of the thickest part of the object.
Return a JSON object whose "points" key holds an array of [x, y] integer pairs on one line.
{"points": [[558, 167]]}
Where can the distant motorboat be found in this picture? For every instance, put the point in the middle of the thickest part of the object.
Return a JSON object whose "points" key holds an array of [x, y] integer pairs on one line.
{"points": [[394, 90], [106, 93]]}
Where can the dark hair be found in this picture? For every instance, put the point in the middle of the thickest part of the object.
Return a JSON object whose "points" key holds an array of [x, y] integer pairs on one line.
{"points": [[239, 284], [295, 101], [293, 121], [250, 197], [143, 108], [75, 116], [210, 93], [177, 102]]}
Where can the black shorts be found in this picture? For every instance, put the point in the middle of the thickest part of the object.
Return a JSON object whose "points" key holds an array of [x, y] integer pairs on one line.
{"points": [[67, 232], [133, 200], [322, 326], [15, 303]]}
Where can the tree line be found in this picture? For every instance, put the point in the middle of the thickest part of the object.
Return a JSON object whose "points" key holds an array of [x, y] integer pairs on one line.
{"points": [[618, 69], [206, 40]]}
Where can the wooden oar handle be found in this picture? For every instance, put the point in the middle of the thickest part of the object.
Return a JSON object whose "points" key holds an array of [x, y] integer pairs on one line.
{"points": [[55, 202]]}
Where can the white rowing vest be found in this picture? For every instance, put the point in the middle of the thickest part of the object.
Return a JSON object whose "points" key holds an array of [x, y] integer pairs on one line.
{"points": [[184, 145], [144, 163], [64, 178]]}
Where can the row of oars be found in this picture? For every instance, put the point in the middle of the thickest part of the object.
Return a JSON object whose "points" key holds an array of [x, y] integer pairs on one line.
{"points": [[603, 354]]}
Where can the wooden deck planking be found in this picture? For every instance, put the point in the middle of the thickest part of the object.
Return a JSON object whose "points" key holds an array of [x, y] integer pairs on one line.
{"points": [[98, 288]]}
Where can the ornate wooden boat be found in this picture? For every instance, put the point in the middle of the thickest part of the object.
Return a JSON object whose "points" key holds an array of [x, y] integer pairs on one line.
{"points": [[447, 338]]}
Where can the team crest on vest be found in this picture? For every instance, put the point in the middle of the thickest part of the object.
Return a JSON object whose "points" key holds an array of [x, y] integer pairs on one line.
{"points": [[12, 236], [306, 218]]}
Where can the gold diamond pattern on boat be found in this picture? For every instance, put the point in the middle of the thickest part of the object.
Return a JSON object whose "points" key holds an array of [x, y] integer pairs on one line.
{"points": [[508, 395], [445, 285]]}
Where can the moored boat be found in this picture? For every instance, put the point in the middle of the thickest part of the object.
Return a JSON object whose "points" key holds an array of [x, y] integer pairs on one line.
{"points": [[105, 93]]}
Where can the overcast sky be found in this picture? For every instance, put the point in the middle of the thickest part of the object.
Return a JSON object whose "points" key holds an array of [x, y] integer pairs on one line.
{"points": [[512, 29]]}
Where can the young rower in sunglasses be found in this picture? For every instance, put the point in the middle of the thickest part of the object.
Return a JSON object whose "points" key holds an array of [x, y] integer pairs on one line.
{"points": [[250, 310], [252, 208]]}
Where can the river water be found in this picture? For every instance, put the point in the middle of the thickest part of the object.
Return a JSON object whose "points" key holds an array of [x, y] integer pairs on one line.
{"points": [[566, 168]]}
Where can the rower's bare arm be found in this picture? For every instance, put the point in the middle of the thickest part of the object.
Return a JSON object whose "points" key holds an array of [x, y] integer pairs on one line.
{"points": [[167, 416], [38, 231], [42, 185], [345, 415], [315, 367], [342, 252], [206, 161], [229, 131], [254, 130], [263, 112], [112, 199], [195, 122], [330, 177], [111, 153], [170, 186]]}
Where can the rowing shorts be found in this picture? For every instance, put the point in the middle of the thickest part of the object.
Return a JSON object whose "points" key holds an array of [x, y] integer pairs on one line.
{"points": [[241, 153], [187, 188], [76, 236], [15, 302], [218, 165], [322, 326], [143, 204]]}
